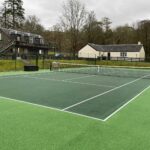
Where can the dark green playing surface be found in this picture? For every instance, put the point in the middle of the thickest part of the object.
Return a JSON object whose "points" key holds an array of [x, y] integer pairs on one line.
{"points": [[90, 95]]}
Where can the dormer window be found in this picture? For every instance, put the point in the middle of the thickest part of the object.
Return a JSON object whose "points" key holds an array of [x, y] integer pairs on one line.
{"points": [[37, 40], [26, 39], [18, 38], [31, 40], [41, 41]]}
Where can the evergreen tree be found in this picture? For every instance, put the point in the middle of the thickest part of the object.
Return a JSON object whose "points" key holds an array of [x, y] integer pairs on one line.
{"points": [[13, 13]]}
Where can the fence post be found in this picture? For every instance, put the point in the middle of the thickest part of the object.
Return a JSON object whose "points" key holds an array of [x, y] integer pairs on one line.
{"points": [[44, 60], [95, 59], [37, 59], [15, 59]]}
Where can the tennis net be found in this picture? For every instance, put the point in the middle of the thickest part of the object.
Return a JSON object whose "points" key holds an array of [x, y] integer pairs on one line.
{"points": [[118, 71]]}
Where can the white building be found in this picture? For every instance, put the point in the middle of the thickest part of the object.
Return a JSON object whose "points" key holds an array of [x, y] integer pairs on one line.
{"points": [[113, 52]]}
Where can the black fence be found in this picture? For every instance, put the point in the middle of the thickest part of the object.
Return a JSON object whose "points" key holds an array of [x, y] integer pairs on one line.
{"points": [[16, 63], [130, 59]]}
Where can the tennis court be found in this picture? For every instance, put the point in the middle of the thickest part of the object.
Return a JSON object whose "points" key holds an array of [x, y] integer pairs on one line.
{"points": [[97, 96]]}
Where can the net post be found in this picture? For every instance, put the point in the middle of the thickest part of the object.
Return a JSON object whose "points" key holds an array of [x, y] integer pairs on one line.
{"points": [[15, 59]]}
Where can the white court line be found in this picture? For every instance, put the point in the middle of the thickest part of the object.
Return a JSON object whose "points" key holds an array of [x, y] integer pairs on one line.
{"points": [[22, 74], [80, 77], [73, 113], [126, 103], [81, 83], [98, 85], [52, 108], [91, 98], [81, 114], [12, 76], [7, 77]]}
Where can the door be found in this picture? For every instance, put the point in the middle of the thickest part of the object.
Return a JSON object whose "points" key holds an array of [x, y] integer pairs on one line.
{"points": [[108, 56]]}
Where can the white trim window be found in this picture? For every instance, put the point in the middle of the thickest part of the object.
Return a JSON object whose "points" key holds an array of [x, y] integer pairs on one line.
{"points": [[123, 54]]}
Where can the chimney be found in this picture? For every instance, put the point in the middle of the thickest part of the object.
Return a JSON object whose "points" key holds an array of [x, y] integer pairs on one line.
{"points": [[139, 43]]}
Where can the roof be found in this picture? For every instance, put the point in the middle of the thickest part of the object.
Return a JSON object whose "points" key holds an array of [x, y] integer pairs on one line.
{"points": [[117, 48], [11, 31]]}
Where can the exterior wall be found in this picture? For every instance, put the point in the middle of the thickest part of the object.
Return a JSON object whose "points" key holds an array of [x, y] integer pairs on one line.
{"points": [[4, 42], [133, 54], [142, 53], [129, 54], [105, 54], [88, 52], [115, 54]]}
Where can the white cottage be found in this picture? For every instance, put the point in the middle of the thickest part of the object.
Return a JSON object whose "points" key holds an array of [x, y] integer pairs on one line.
{"points": [[113, 52]]}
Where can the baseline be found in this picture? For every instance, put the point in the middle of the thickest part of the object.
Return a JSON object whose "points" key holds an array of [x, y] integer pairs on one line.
{"points": [[52, 108]]}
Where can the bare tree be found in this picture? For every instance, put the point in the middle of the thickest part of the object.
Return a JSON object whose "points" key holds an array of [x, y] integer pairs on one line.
{"points": [[32, 24], [144, 34], [93, 29], [57, 36], [73, 19], [124, 35]]}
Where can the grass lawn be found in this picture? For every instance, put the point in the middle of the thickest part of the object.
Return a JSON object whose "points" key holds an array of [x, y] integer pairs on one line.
{"points": [[28, 127]]}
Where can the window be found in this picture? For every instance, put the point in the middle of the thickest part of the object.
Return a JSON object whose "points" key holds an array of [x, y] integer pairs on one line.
{"points": [[123, 54], [13, 36], [41, 41], [31, 40], [37, 40], [40, 52], [26, 39], [18, 38]]}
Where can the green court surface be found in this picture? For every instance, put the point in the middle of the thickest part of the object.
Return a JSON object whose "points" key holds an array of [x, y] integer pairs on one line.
{"points": [[95, 96]]}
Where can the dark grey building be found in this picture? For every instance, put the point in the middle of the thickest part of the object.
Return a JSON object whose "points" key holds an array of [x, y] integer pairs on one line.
{"points": [[21, 43]]}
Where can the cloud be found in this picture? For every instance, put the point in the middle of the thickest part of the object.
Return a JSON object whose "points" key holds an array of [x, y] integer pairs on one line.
{"points": [[119, 11]]}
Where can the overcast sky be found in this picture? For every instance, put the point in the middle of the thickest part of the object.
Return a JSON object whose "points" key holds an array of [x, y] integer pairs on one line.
{"points": [[119, 11]]}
